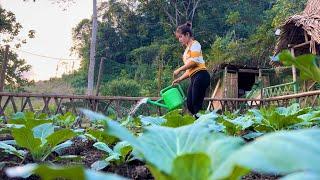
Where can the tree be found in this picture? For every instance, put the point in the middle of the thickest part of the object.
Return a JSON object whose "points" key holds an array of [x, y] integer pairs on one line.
{"points": [[92, 49], [9, 30]]}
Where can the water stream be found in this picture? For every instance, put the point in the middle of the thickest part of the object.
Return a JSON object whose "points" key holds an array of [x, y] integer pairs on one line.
{"points": [[133, 111], [136, 107]]}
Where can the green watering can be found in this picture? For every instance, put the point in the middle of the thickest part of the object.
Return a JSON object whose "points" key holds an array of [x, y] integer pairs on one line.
{"points": [[172, 97]]}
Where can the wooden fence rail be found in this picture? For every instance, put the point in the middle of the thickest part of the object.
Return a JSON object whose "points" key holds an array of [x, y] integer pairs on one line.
{"points": [[121, 106]]}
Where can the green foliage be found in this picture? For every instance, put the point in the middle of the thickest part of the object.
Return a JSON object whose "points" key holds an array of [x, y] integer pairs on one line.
{"points": [[237, 125], [177, 119], [280, 153], [40, 140], [122, 87], [181, 149], [65, 120], [233, 17], [282, 9], [255, 122], [280, 118], [118, 155], [302, 175], [188, 166], [28, 119], [224, 49], [100, 136], [172, 119], [11, 150], [173, 144], [140, 39], [305, 63], [9, 31], [48, 172]]}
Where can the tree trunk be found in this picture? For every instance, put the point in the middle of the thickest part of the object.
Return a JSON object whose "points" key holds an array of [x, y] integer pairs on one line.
{"points": [[92, 49], [4, 69]]}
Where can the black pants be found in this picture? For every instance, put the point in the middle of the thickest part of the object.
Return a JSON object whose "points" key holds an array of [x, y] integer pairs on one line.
{"points": [[197, 90]]}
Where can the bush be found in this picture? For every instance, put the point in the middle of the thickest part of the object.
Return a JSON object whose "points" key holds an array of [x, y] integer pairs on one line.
{"points": [[121, 87]]}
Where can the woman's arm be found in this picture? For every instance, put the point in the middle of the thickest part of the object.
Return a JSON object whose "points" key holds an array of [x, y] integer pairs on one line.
{"points": [[187, 66], [181, 78]]}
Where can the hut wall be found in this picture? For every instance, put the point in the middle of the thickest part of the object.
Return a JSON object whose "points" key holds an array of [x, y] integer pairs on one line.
{"points": [[231, 85]]}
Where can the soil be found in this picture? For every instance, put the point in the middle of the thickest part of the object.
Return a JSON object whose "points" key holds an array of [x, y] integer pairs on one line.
{"points": [[133, 169], [257, 176], [4, 137]]}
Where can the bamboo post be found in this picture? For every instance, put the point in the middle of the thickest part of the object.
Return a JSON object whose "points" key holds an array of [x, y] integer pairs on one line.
{"points": [[225, 81], [99, 75], [294, 74], [260, 83], [4, 68]]}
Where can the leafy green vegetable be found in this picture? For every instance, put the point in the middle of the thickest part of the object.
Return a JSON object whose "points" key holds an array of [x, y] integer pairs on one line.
{"points": [[148, 120], [191, 166], [65, 120], [54, 172], [302, 175], [281, 118], [175, 119], [163, 148], [100, 136], [28, 119], [283, 153], [118, 154], [237, 125], [41, 141], [12, 150]]}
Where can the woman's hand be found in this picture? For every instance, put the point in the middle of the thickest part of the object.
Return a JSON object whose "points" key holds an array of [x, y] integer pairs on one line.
{"points": [[176, 81], [176, 72]]}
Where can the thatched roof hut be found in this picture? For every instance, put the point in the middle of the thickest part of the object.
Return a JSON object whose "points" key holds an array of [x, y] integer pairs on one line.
{"points": [[301, 32]]}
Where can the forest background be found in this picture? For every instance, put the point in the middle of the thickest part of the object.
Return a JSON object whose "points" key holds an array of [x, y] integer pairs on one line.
{"points": [[136, 38]]}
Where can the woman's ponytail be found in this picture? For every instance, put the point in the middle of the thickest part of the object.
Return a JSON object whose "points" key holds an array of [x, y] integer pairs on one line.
{"points": [[185, 28]]}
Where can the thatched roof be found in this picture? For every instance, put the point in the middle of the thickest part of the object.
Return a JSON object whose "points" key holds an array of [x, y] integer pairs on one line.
{"points": [[292, 32]]}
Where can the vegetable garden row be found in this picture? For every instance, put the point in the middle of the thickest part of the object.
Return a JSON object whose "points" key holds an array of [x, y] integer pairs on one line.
{"points": [[270, 143]]}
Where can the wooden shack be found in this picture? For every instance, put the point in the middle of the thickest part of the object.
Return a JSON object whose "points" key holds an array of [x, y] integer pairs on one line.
{"points": [[301, 35], [235, 80]]}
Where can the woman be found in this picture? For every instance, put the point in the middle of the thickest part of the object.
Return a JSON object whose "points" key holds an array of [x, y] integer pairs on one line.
{"points": [[194, 68]]}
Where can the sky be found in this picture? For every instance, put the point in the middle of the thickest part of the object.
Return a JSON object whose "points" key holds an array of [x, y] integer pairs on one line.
{"points": [[53, 37]]}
